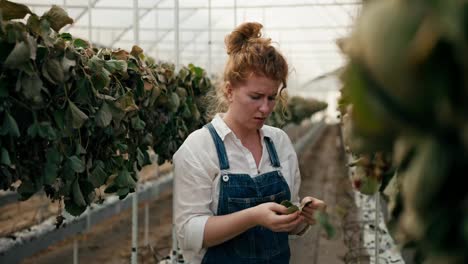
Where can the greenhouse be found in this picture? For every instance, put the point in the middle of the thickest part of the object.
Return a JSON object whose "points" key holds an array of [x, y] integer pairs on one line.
{"points": [[233, 131]]}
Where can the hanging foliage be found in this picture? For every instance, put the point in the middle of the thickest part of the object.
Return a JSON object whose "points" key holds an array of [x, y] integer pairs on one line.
{"points": [[295, 111], [74, 118], [405, 116]]}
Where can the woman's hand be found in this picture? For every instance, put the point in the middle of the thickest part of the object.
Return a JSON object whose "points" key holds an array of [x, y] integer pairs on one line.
{"points": [[309, 206], [274, 217]]}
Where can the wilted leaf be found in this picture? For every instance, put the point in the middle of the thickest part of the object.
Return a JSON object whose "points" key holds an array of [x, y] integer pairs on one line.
{"points": [[120, 54], [116, 66], [136, 51], [77, 116], [20, 55], [31, 87], [34, 24], [57, 18], [126, 103], [12, 10], [53, 71]]}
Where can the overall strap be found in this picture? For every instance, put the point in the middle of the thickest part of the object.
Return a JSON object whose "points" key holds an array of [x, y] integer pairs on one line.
{"points": [[272, 152], [222, 155]]}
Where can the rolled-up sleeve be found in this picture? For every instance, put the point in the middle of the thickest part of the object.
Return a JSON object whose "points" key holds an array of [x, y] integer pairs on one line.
{"points": [[192, 198]]}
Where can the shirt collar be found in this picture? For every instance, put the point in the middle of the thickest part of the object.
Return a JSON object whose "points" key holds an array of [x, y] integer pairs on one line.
{"points": [[223, 130]]}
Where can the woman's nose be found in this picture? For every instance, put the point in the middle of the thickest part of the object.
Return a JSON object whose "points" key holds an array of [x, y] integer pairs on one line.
{"points": [[265, 106]]}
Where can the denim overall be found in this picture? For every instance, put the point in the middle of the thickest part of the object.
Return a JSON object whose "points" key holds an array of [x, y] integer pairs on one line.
{"points": [[257, 245]]}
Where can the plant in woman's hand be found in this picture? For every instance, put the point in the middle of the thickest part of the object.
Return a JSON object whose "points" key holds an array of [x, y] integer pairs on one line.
{"points": [[321, 216]]}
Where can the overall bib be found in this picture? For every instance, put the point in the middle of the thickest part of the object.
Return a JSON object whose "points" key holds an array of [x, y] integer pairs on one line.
{"points": [[257, 245]]}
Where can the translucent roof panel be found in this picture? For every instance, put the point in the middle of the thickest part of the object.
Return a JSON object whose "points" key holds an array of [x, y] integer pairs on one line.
{"points": [[305, 31]]}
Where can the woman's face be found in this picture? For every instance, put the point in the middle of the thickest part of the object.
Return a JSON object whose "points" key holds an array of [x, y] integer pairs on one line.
{"points": [[253, 101]]}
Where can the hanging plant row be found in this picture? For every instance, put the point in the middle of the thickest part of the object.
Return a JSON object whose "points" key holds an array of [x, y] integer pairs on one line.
{"points": [[74, 118], [405, 119], [295, 110]]}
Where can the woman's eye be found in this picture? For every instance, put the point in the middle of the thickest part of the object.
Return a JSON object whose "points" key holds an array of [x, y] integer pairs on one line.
{"points": [[255, 97], [271, 98]]}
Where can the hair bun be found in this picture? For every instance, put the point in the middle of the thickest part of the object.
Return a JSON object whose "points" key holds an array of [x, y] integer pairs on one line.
{"points": [[241, 35]]}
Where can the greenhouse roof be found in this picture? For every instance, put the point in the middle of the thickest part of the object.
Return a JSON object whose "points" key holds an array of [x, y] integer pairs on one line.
{"points": [[305, 31]]}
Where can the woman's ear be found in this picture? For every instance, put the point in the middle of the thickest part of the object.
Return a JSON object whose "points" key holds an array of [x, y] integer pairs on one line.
{"points": [[228, 91]]}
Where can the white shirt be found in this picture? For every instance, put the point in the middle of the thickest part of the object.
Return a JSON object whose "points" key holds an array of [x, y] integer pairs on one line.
{"points": [[197, 174]]}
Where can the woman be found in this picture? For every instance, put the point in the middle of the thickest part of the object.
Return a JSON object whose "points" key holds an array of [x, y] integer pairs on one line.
{"points": [[231, 175]]}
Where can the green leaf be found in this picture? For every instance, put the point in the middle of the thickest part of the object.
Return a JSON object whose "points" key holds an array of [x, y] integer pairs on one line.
{"points": [[77, 116], [82, 91], [286, 203], [9, 127], [53, 156], [140, 157], [33, 130], [122, 192], [79, 149], [5, 157], [112, 188], [76, 164], [57, 18], [72, 208], [124, 179], [104, 115], [66, 36], [291, 207], [199, 72], [10, 10], [324, 222], [116, 66], [3, 88], [96, 64], [131, 65], [98, 176], [137, 123], [80, 43], [50, 173], [47, 131], [59, 118], [26, 189], [77, 195]]}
